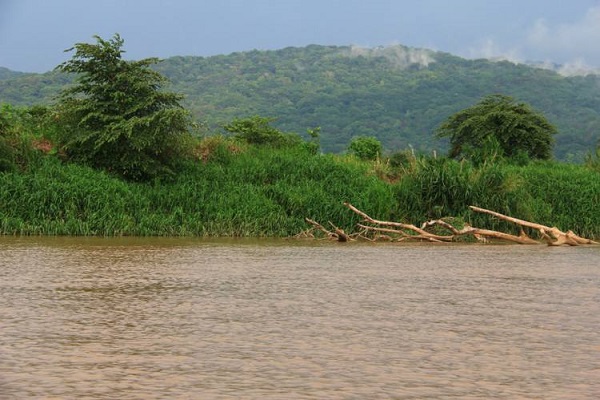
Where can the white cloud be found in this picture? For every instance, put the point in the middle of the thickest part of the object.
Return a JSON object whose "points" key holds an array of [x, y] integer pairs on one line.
{"points": [[401, 56], [567, 43], [577, 67], [569, 49], [488, 48]]}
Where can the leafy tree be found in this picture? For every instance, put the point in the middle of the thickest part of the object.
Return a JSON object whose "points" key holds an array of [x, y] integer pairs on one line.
{"points": [[257, 130], [116, 117], [17, 126], [365, 147], [500, 122]]}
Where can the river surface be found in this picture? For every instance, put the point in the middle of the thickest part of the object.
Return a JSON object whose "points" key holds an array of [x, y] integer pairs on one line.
{"points": [[275, 319]]}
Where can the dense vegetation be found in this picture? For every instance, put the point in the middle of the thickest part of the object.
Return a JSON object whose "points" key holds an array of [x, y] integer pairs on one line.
{"points": [[398, 95], [236, 189], [86, 166]]}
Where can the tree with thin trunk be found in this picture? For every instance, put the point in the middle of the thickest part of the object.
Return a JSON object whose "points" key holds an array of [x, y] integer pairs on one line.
{"points": [[117, 117]]}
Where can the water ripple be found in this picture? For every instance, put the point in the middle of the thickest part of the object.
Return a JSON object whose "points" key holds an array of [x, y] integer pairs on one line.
{"points": [[168, 319]]}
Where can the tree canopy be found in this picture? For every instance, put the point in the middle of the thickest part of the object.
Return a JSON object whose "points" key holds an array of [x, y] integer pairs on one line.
{"points": [[257, 130], [353, 93], [498, 121], [365, 147], [116, 117]]}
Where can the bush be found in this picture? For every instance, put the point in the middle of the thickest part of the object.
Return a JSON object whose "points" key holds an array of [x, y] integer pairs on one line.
{"points": [[365, 147], [257, 130]]}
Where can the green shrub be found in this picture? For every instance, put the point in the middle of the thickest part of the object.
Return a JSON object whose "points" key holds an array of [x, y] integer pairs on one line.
{"points": [[257, 130], [365, 147]]}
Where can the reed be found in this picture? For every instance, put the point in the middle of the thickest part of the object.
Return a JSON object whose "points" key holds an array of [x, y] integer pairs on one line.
{"points": [[261, 191], [565, 195], [550, 193]]}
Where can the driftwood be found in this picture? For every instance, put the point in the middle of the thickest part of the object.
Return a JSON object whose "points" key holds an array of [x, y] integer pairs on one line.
{"points": [[338, 234], [397, 231], [421, 234], [552, 235]]}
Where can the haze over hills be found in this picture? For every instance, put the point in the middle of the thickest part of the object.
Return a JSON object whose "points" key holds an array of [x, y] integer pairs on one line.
{"points": [[397, 94], [6, 73]]}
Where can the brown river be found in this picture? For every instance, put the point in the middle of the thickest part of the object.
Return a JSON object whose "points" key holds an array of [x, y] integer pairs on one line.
{"points": [[274, 319]]}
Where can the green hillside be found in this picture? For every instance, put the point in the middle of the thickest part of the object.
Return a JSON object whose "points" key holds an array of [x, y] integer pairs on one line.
{"points": [[398, 94], [6, 73]]}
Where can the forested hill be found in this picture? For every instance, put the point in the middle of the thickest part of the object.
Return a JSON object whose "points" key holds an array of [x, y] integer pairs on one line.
{"points": [[6, 73], [397, 94]]}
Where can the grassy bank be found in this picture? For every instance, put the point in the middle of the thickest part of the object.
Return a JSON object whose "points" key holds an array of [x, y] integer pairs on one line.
{"points": [[260, 192], [269, 192], [550, 193]]}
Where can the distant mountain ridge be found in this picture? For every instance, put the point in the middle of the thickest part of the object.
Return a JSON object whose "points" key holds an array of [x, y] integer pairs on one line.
{"points": [[6, 73], [396, 93]]}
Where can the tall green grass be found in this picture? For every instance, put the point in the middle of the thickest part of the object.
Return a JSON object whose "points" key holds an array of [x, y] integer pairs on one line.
{"points": [[550, 193], [258, 191], [261, 192], [565, 195]]}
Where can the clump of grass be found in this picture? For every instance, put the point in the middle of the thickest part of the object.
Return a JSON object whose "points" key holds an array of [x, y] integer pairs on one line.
{"points": [[545, 192], [217, 148], [565, 195], [260, 191]]}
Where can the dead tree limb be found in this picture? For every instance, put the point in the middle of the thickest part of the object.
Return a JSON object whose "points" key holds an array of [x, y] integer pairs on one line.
{"points": [[421, 232], [442, 223], [552, 235], [386, 230], [329, 234], [383, 229], [338, 234], [404, 235], [341, 235], [305, 234], [481, 234], [498, 235]]}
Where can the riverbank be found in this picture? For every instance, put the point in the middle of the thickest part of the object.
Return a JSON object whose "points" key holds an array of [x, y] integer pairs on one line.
{"points": [[266, 192]]}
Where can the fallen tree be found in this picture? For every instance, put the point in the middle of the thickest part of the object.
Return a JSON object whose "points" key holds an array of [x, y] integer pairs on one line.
{"points": [[552, 235], [373, 229]]}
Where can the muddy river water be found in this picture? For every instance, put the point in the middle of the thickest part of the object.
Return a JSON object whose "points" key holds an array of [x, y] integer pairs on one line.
{"points": [[277, 319]]}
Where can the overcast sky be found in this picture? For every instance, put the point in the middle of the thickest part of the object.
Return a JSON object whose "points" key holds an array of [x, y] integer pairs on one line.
{"points": [[34, 33]]}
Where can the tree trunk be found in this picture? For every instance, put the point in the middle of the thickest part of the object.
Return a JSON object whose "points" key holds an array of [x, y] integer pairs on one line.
{"points": [[553, 236]]}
